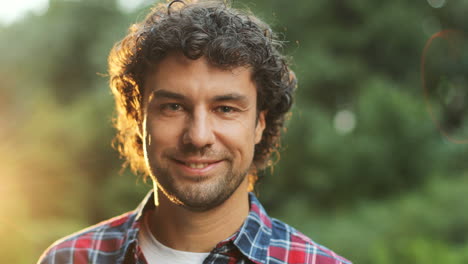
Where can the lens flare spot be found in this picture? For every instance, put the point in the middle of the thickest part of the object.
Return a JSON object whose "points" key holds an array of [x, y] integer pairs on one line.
{"points": [[436, 3], [344, 121], [444, 75]]}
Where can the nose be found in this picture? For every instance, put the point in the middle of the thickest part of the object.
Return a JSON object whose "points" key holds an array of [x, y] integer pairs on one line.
{"points": [[199, 130]]}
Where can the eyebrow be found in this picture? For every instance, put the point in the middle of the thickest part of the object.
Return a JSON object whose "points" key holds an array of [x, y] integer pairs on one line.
{"points": [[231, 97], [219, 98], [167, 94]]}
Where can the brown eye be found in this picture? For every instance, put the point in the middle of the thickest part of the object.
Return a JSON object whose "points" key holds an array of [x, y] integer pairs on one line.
{"points": [[171, 107], [224, 109]]}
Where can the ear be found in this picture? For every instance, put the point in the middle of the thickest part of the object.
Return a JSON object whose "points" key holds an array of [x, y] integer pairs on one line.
{"points": [[260, 126]]}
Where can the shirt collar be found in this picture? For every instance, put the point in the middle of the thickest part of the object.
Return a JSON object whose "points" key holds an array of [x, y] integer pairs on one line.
{"points": [[145, 205], [253, 238], [132, 252]]}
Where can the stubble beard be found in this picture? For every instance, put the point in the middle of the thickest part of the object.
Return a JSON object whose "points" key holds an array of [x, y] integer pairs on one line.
{"points": [[199, 195]]}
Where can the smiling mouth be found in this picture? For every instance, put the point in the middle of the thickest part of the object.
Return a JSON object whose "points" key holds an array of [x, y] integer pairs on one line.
{"points": [[197, 165]]}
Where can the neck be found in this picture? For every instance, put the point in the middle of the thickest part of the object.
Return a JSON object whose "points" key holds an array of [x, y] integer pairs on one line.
{"points": [[185, 230]]}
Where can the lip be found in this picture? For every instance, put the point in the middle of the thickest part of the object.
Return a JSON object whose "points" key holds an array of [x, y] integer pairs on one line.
{"points": [[182, 164]]}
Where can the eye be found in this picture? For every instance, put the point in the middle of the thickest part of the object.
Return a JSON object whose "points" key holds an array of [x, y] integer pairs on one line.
{"points": [[225, 109], [173, 107], [170, 108]]}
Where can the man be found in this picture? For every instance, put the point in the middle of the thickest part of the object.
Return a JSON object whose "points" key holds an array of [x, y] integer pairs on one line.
{"points": [[201, 92]]}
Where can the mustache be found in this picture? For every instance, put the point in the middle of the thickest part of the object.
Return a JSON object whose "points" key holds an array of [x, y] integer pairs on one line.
{"points": [[190, 151]]}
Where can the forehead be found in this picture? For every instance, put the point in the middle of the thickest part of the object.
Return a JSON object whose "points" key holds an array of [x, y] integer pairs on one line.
{"points": [[180, 74]]}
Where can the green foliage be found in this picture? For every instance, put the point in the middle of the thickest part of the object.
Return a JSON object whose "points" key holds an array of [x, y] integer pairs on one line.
{"points": [[375, 160]]}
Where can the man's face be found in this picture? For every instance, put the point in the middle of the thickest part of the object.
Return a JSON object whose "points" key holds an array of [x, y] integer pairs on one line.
{"points": [[200, 129]]}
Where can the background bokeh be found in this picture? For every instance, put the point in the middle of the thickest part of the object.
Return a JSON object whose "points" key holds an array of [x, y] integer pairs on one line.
{"points": [[373, 164]]}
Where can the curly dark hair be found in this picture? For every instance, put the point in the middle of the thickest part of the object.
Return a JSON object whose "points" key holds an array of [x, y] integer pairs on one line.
{"points": [[227, 38]]}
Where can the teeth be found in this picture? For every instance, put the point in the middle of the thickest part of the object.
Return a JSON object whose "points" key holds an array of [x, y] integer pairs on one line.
{"points": [[197, 165]]}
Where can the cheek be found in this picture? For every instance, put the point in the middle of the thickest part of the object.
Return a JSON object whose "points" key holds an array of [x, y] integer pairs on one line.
{"points": [[238, 136], [236, 128], [161, 134]]}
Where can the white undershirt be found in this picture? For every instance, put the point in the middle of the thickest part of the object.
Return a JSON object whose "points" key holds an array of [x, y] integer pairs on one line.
{"points": [[155, 252]]}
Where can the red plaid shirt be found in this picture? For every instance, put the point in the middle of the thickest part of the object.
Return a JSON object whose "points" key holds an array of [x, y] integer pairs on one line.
{"points": [[261, 239]]}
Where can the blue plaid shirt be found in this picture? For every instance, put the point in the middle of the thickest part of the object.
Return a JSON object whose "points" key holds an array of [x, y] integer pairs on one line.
{"points": [[261, 239]]}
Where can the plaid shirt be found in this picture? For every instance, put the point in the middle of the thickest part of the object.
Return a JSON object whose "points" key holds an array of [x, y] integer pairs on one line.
{"points": [[261, 239]]}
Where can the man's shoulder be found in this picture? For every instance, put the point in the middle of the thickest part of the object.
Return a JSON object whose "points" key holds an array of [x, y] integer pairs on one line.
{"points": [[292, 246], [103, 239]]}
